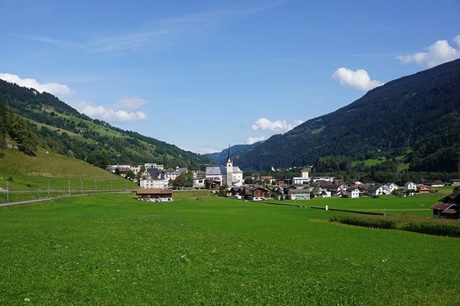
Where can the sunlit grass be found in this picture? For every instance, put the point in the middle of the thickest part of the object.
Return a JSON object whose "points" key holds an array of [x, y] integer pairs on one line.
{"points": [[113, 249]]}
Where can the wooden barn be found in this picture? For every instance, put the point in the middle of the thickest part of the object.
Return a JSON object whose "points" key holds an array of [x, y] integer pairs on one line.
{"points": [[154, 194], [448, 207]]}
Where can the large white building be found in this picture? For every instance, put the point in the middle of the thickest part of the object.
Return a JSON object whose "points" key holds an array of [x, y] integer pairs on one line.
{"points": [[302, 179], [153, 178], [228, 175]]}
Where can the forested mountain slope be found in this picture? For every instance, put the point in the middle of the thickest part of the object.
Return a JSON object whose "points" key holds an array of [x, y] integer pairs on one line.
{"points": [[36, 119], [418, 114]]}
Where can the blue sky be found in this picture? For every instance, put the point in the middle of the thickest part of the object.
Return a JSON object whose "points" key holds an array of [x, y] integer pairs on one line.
{"points": [[206, 74]]}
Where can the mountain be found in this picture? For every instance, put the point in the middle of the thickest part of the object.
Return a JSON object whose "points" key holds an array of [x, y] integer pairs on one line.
{"points": [[42, 120], [417, 116], [221, 157]]}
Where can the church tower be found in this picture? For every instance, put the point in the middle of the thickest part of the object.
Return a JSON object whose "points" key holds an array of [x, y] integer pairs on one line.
{"points": [[229, 169]]}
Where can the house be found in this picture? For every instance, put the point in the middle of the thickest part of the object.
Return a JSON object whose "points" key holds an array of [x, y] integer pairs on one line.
{"points": [[435, 183], [198, 179], [390, 187], [153, 178], [353, 192], [338, 190], [257, 193], [267, 179], [447, 207], [375, 190], [410, 187], [172, 174], [219, 176], [282, 182], [299, 194], [154, 195], [424, 189], [235, 192], [455, 182]]}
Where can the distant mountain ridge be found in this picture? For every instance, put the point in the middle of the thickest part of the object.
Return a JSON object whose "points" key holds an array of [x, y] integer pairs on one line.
{"points": [[417, 113], [61, 128], [220, 157]]}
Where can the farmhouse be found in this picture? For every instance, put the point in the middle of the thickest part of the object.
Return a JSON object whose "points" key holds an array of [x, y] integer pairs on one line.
{"points": [[154, 195], [447, 207], [257, 193]]}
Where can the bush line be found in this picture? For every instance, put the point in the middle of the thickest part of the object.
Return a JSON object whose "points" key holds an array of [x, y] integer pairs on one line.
{"points": [[440, 227]]}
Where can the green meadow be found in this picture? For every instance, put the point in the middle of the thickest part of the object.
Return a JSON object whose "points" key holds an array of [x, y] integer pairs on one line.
{"points": [[106, 249]]}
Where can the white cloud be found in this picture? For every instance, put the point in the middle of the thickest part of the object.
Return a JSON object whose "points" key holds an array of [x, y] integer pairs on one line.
{"points": [[438, 53], [358, 79], [252, 140], [57, 89], [124, 111], [263, 124]]}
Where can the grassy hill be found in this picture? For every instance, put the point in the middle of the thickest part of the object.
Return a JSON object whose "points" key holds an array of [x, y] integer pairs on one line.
{"points": [[50, 174]]}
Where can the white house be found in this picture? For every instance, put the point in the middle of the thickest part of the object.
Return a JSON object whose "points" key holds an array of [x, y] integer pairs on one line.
{"points": [[153, 178], [390, 187], [376, 190], [229, 175], [410, 186], [353, 193]]}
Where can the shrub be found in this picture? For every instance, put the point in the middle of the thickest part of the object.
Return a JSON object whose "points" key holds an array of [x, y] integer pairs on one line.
{"points": [[440, 227]]}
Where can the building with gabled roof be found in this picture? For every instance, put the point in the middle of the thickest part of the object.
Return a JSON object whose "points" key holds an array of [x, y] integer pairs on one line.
{"points": [[154, 194], [448, 207], [227, 175]]}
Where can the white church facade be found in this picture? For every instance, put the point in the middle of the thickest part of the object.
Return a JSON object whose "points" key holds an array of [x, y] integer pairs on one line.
{"points": [[227, 175]]}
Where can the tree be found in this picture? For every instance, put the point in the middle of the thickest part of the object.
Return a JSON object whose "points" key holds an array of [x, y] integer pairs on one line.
{"points": [[3, 123], [130, 175], [20, 131], [179, 181]]}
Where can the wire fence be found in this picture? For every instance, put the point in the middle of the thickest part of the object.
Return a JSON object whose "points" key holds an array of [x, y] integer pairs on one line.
{"points": [[11, 191]]}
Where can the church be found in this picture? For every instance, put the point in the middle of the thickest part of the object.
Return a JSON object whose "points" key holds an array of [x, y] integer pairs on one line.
{"points": [[227, 175]]}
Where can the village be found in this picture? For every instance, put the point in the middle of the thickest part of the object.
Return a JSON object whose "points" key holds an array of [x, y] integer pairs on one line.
{"points": [[156, 184]]}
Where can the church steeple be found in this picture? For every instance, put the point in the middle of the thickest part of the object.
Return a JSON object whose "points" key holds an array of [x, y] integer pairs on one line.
{"points": [[229, 157], [229, 168]]}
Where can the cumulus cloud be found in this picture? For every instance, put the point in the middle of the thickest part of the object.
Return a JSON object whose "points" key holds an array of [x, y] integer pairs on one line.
{"points": [[358, 79], [438, 53], [263, 124], [57, 89], [252, 140], [123, 111]]}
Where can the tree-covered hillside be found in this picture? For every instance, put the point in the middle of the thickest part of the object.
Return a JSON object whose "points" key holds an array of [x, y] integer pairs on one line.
{"points": [[34, 119], [418, 114]]}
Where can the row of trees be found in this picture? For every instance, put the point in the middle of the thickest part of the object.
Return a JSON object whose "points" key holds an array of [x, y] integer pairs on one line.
{"points": [[18, 129]]}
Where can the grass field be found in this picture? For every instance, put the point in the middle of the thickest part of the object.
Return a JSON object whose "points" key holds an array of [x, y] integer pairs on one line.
{"points": [[200, 250]]}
